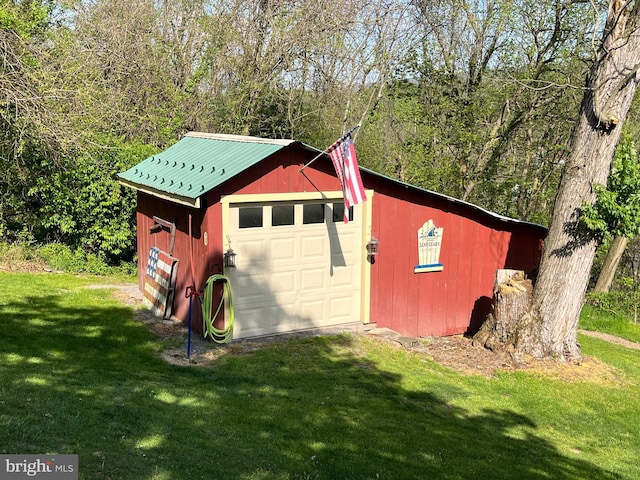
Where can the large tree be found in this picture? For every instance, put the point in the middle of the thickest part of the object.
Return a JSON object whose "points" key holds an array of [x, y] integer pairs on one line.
{"points": [[27, 136], [549, 326], [483, 107]]}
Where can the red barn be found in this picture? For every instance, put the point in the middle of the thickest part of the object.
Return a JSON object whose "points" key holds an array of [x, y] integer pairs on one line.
{"points": [[298, 264]]}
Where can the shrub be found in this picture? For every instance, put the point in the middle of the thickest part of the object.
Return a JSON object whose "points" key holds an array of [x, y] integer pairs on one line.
{"points": [[60, 257]]}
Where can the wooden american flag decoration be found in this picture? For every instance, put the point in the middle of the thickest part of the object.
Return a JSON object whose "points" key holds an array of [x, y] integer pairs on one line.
{"points": [[160, 282]]}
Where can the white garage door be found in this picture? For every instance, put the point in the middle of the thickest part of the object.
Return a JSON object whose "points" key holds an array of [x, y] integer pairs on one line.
{"points": [[298, 266]]}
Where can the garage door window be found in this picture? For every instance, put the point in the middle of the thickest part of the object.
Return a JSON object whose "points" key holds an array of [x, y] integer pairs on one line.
{"points": [[312, 213], [282, 215], [288, 214], [250, 217], [338, 213]]}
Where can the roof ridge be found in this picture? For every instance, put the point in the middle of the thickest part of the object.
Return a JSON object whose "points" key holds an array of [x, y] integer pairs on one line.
{"points": [[239, 138]]}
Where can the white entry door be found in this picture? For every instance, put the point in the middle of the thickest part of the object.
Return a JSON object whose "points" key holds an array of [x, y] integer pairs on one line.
{"points": [[298, 265]]}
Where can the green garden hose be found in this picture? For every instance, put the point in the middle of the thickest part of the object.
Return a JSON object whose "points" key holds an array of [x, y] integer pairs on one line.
{"points": [[208, 330]]}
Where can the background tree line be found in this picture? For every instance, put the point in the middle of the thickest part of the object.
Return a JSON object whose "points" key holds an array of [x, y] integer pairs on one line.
{"points": [[474, 99]]}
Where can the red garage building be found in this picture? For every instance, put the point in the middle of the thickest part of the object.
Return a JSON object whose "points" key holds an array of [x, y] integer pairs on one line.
{"points": [[298, 264]]}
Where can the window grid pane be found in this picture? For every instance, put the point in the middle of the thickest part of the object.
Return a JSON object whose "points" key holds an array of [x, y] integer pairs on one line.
{"points": [[282, 215], [250, 217], [312, 213], [338, 213]]}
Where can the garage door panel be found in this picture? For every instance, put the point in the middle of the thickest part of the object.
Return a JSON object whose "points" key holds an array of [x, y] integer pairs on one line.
{"points": [[296, 276], [262, 320], [346, 243], [251, 252], [313, 310], [342, 308], [313, 246], [250, 320], [250, 288], [312, 279], [284, 283], [342, 277], [282, 249]]}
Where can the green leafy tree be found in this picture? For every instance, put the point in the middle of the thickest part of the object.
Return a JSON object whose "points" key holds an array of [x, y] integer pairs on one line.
{"points": [[616, 211], [85, 207], [615, 215], [549, 326], [26, 138]]}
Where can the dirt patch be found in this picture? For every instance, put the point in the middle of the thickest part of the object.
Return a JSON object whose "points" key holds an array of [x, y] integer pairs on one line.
{"points": [[127, 293], [172, 333], [12, 265], [457, 353], [454, 352], [612, 339]]}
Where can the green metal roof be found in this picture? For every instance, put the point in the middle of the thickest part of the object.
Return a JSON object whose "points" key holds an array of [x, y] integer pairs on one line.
{"points": [[449, 199], [202, 161], [198, 163]]}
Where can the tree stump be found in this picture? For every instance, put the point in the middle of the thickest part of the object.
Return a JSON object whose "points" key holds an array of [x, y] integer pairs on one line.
{"points": [[512, 295]]}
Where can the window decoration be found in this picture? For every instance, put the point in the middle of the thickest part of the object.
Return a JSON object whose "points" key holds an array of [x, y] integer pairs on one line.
{"points": [[429, 243]]}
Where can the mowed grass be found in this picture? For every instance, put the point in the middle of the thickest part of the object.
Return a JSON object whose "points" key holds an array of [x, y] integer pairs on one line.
{"points": [[79, 375], [614, 323]]}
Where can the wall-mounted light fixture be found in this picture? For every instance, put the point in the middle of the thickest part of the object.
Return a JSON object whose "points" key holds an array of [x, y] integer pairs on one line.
{"points": [[372, 246], [372, 250], [230, 256]]}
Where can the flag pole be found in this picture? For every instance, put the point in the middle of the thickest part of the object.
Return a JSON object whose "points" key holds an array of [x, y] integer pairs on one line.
{"points": [[327, 149]]}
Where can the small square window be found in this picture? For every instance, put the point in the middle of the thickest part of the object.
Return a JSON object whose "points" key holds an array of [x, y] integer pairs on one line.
{"points": [[338, 213], [312, 213], [282, 215], [250, 217]]}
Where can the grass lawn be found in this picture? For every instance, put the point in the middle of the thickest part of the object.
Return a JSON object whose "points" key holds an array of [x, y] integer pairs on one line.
{"points": [[593, 318], [79, 375]]}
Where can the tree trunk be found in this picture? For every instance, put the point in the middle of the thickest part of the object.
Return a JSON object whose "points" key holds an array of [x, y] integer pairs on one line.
{"points": [[511, 300], [610, 266], [549, 327], [570, 248]]}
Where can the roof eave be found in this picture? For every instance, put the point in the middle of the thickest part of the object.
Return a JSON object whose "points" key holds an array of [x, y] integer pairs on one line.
{"points": [[189, 202], [240, 138], [454, 200]]}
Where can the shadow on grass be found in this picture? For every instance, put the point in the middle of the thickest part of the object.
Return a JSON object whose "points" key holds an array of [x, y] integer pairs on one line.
{"points": [[87, 381]]}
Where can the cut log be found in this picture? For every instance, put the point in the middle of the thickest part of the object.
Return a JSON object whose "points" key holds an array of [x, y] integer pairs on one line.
{"points": [[511, 300]]}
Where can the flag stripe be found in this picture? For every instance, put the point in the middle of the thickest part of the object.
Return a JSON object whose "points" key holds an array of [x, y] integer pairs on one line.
{"points": [[343, 156]]}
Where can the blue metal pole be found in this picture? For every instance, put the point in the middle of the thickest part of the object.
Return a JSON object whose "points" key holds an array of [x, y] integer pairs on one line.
{"points": [[189, 334]]}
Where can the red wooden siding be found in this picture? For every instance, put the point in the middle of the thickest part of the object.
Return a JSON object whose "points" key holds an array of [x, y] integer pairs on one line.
{"points": [[148, 207], [281, 174], [475, 244], [275, 175]]}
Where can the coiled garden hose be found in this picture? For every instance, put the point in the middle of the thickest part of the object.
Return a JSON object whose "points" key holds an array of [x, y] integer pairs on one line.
{"points": [[208, 330]]}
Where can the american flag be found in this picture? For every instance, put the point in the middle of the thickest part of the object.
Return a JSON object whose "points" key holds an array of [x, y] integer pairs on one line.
{"points": [[160, 282], [343, 155]]}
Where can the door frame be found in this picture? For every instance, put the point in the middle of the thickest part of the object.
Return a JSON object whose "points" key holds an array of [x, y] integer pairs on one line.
{"points": [[367, 208]]}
